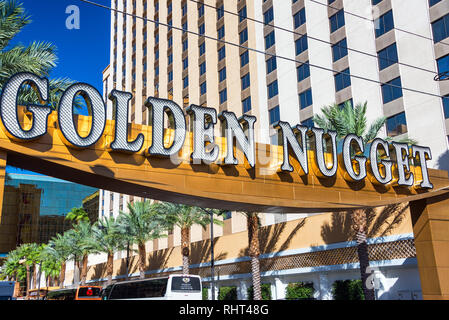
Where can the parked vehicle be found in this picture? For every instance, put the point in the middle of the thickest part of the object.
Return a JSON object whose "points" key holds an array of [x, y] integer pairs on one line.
{"points": [[173, 287], [7, 290], [80, 293]]}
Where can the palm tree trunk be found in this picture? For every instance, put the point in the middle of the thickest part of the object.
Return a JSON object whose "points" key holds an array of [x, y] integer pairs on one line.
{"points": [[142, 256], [84, 270], [359, 222], [362, 252], [185, 241], [110, 267], [62, 275], [254, 252], [28, 282]]}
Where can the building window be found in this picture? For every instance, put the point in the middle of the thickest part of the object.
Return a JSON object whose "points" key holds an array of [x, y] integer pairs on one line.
{"points": [[299, 18], [243, 36], [387, 56], [222, 74], [221, 32], [337, 20], [246, 105], [201, 11], [396, 125], [185, 45], [269, 40], [443, 66], [268, 16], [170, 76], [305, 99], [339, 50], [274, 115], [384, 23], [245, 81], [202, 48], [220, 12], [185, 63], [242, 14], [185, 82], [223, 95], [389, 92], [203, 68], [271, 65], [308, 122], [342, 80], [440, 29], [201, 29], [221, 53], [273, 89], [303, 71], [301, 44], [446, 106], [203, 88], [244, 58]]}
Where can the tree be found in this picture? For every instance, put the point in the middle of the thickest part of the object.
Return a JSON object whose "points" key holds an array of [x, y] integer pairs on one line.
{"points": [[50, 264], [12, 268], [184, 217], [29, 254], [61, 247], [253, 225], [38, 57], [348, 119], [141, 224], [77, 215], [108, 239], [84, 240], [345, 121]]}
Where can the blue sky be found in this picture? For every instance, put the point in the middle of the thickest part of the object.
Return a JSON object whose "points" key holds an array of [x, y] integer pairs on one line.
{"points": [[84, 53]]}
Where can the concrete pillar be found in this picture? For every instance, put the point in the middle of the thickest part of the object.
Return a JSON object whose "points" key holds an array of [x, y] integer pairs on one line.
{"points": [[325, 287], [430, 218], [209, 291], [242, 291], [279, 289]]}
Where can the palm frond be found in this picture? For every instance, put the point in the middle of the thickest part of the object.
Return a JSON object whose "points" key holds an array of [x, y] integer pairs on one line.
{"points": [[12, 19]]}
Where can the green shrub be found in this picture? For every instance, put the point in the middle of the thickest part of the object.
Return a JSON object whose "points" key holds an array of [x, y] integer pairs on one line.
{"points": [[205, 293], [299, 290], [348, 290], [227, 293], [266, 292]]}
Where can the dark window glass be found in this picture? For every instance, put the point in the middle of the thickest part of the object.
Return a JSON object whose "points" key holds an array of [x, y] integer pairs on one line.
{"points": [[387, 56], [337, 20], [185, 284], [384, 24], [396, 125], [392, 90]]}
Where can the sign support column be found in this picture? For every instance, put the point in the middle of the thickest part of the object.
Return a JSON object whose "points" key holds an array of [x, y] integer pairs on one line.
{"points": [[430, 219]]}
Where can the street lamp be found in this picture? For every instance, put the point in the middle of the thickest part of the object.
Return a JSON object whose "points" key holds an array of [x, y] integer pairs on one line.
{"points": [[212, 266]]}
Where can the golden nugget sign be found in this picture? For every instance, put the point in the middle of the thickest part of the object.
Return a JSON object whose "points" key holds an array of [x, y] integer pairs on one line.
{"points": [[354, 162]]}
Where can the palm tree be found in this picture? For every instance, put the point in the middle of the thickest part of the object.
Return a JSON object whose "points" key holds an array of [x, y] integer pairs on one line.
{"points": [[29, 253], [184, 217], [61, 248], [77, 215], [253, 226], [141, 224], [345, 121], [83, 232], [51, 264], [12, 268], [38, 57], [108, 239]]}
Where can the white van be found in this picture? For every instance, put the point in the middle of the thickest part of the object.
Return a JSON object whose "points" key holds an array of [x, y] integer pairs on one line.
{"points": [[173, 287]]}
